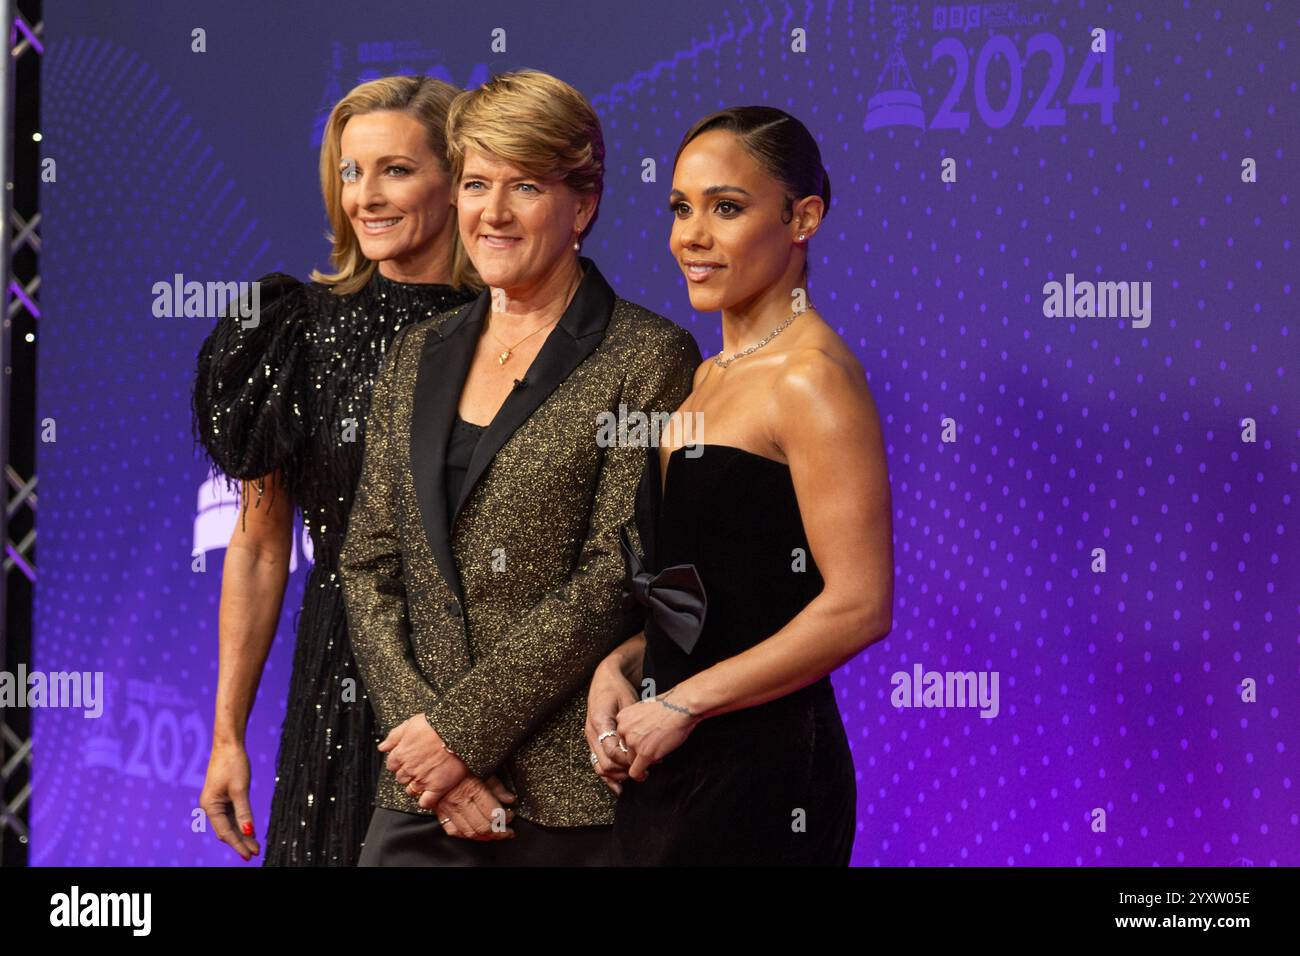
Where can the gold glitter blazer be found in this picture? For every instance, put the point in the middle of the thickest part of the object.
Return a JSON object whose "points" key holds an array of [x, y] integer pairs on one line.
{"points": [[493, 627]]}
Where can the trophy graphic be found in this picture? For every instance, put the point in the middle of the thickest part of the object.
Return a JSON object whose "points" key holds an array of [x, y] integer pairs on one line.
{"points": [[896, 101]]}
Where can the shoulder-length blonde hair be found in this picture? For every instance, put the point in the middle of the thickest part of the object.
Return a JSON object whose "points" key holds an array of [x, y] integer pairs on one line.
{"points": [[428, 100], [535, 121]]}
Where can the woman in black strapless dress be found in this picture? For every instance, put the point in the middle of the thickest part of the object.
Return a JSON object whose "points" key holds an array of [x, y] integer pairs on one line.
{"points": [[767, 784], [717, 724]]}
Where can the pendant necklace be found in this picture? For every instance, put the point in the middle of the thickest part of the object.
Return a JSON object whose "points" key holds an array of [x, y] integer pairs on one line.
{"points": [[504, 356]]}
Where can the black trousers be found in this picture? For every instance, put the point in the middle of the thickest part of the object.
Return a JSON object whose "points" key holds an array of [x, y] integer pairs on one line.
{"points": [[412, 839]]}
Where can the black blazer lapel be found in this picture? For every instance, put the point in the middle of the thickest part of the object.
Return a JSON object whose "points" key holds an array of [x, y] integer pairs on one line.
{"points": [[579, 331], [444, 366]]}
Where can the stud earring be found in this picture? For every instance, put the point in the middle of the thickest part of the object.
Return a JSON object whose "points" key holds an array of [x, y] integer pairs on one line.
{"points": [[801, 237]]}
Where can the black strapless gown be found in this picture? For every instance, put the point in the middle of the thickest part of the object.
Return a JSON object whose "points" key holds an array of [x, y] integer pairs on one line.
{"points": [[772, 784]]}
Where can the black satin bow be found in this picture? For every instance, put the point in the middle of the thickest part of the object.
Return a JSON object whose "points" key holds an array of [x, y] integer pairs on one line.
{"points": [[674, 598]]}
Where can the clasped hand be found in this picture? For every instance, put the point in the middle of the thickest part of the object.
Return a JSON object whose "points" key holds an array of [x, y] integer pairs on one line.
{"points": [[467, 806], [645, 731]]}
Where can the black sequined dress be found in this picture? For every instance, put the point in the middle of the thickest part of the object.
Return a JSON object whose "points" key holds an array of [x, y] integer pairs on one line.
{"points": [[291, 393]]}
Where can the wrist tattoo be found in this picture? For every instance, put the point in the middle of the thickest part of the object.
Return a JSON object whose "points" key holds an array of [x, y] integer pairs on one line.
{"points": [[676, 707]]}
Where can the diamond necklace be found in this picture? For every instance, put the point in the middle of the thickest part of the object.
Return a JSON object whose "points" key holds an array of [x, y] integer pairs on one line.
{"points": [[723, 363]]}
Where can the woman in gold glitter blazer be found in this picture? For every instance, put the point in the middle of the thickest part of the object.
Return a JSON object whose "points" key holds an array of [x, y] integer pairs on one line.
{"points": [[482, 565]]}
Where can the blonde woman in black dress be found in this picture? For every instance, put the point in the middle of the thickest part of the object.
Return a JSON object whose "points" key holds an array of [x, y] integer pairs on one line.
{"points": [[766, 557], [281, 407]]}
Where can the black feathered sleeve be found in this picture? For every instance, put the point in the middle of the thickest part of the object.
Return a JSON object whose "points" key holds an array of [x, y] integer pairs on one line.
{"points": [[249, 403]]}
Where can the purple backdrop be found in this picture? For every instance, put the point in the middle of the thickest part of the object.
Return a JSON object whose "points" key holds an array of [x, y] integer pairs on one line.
{"points": [[1146, 713]]}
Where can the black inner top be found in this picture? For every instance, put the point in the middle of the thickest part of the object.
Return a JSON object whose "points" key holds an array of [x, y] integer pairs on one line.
{"points": [[460, 449]]}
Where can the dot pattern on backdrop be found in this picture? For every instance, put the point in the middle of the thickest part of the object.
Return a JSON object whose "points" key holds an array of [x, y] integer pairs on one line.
{"points": [[1119, 692], [141, 189]]}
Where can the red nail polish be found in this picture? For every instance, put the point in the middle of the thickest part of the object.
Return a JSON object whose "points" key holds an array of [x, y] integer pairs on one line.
{"points": [[247, 828]]}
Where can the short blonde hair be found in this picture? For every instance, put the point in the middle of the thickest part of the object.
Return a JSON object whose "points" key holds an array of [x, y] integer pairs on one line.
{"points": [[535, 121], [423, 97]]}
